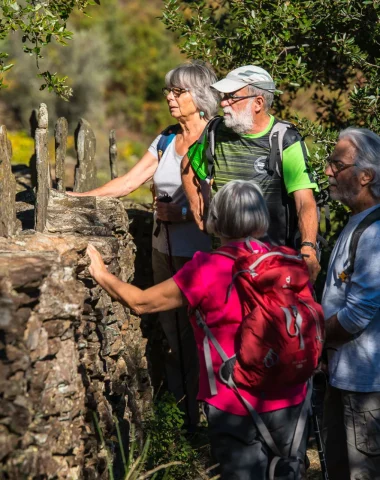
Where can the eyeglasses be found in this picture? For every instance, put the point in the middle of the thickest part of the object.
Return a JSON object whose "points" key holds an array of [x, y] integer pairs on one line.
{"points": [[231, 96], [175, 90], [337, 166]]}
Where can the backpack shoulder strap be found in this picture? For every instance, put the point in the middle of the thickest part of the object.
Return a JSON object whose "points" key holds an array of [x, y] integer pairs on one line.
{"points": [[358, 232], [232, 251], [229, 252], [209, 133], [167, 136], [276, 139]]}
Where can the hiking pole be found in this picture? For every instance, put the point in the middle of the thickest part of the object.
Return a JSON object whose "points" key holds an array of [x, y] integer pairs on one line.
{"points": [[318, 436], [168, 199]]}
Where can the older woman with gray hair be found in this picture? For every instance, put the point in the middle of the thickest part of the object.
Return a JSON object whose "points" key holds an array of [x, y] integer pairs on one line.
{"points": [[192, 103], [237, 214]]}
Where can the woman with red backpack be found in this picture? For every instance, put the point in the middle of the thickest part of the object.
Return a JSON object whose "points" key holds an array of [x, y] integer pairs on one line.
{"points": [[269, 445]]}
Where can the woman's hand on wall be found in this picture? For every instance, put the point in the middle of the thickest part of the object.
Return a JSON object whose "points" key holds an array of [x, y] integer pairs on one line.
{"points": [[164, 296], [97, 267]]}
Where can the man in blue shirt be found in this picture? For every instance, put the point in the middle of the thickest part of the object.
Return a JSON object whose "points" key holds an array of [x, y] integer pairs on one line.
{"points": [[351, 424]]}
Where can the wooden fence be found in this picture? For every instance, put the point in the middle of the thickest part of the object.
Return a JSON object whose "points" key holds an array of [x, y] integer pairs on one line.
{"points": [[85, 170]]}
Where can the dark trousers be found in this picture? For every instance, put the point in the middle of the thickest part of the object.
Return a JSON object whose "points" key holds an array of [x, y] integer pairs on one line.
{"points": [[351, 434], [240, 450], [181, 362]]}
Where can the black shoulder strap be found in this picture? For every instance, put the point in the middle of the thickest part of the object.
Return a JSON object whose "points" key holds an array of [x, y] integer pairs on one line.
{"points": [[274, 155], [167, 136], [209, 131], [363, 225], [276, 139]]}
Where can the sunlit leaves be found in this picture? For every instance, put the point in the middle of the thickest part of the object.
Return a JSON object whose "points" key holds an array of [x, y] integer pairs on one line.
{"points": [[41, 22]]}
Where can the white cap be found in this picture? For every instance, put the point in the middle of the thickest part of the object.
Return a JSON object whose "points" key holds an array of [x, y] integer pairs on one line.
{"points": [[243, 76]]}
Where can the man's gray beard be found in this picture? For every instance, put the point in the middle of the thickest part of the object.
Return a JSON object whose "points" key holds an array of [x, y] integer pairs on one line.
{"points": [[345, 196], [241, 122]]}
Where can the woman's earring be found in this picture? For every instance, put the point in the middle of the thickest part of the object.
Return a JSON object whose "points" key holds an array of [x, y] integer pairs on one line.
{"points": [[201, 113]]}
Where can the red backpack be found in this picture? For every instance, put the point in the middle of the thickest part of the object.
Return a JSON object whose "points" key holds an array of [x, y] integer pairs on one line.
{"points": [[282, 331], [281, 336]]}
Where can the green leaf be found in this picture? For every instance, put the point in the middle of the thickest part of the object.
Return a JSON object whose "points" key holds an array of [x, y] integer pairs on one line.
{"points": [[15, 6], [4, 69]]}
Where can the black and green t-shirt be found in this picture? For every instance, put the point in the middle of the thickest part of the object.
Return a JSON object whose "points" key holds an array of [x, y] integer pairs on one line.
{"points": [[244, 157]]}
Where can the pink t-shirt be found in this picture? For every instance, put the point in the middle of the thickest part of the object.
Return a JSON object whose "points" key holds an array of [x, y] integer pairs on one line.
{"points": [[204, 281]]}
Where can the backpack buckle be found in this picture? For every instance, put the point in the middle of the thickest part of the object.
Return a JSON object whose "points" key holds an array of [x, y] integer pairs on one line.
{"points": [[226, 370], [270, 359]]}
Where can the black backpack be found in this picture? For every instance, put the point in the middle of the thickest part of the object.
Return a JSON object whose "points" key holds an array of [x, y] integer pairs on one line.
{"points": [[274, 163], [276, 138], [371, 218]]}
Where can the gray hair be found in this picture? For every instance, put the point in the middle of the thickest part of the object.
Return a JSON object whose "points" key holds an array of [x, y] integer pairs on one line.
{"points": [[238, 210], [367, 156], [268, 96], [197, 77]]}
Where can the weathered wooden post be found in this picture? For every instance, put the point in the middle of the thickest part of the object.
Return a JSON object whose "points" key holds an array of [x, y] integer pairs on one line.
{"points": [[33, 122], [60, 135], [43, 170], [113, 154], [8, 222], [85, 170]]}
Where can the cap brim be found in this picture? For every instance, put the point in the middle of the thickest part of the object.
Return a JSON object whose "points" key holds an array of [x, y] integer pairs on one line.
{"points": [[228, 86]]}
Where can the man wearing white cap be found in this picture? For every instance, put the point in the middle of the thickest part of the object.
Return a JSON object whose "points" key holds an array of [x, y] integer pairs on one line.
{"points": [[250, 144]]}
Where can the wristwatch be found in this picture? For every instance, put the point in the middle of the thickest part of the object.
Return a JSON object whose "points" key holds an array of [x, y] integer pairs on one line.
{"points": [[309, 244], [184, 213]]}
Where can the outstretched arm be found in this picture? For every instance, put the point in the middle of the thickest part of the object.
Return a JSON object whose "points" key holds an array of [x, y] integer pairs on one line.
{"points": [[197, 192], [121, 186], [161, 297]]}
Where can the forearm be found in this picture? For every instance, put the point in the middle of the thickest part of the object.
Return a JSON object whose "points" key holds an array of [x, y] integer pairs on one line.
{"points": [[122, 186], [193, 190], [335, 333], [161, 297], [120, 291], [308, 221], [118, 187]]}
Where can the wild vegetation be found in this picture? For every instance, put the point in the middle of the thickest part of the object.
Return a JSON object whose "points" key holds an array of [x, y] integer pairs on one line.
{"points": [[324, 55], [115, 59]]}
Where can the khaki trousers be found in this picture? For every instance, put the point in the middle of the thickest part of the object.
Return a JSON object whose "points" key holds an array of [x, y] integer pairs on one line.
{"points": [[351, 434], [181, 362]]}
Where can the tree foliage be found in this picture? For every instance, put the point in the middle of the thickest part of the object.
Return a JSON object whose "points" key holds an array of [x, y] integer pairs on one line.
{"points": [[330, 46], [40, 22], [324, 51], [330, 49], [141, 51], [115, 64]]}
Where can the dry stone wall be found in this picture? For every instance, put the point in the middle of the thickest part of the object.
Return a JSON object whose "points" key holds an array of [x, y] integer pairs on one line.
{"points": [[69, 355]]}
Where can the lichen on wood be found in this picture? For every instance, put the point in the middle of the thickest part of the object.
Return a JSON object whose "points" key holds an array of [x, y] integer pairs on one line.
{"points": [[8, 222]]}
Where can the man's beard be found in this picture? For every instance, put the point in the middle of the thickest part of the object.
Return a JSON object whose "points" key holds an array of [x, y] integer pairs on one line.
{"points": [[240, 122], [346, 192]]}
